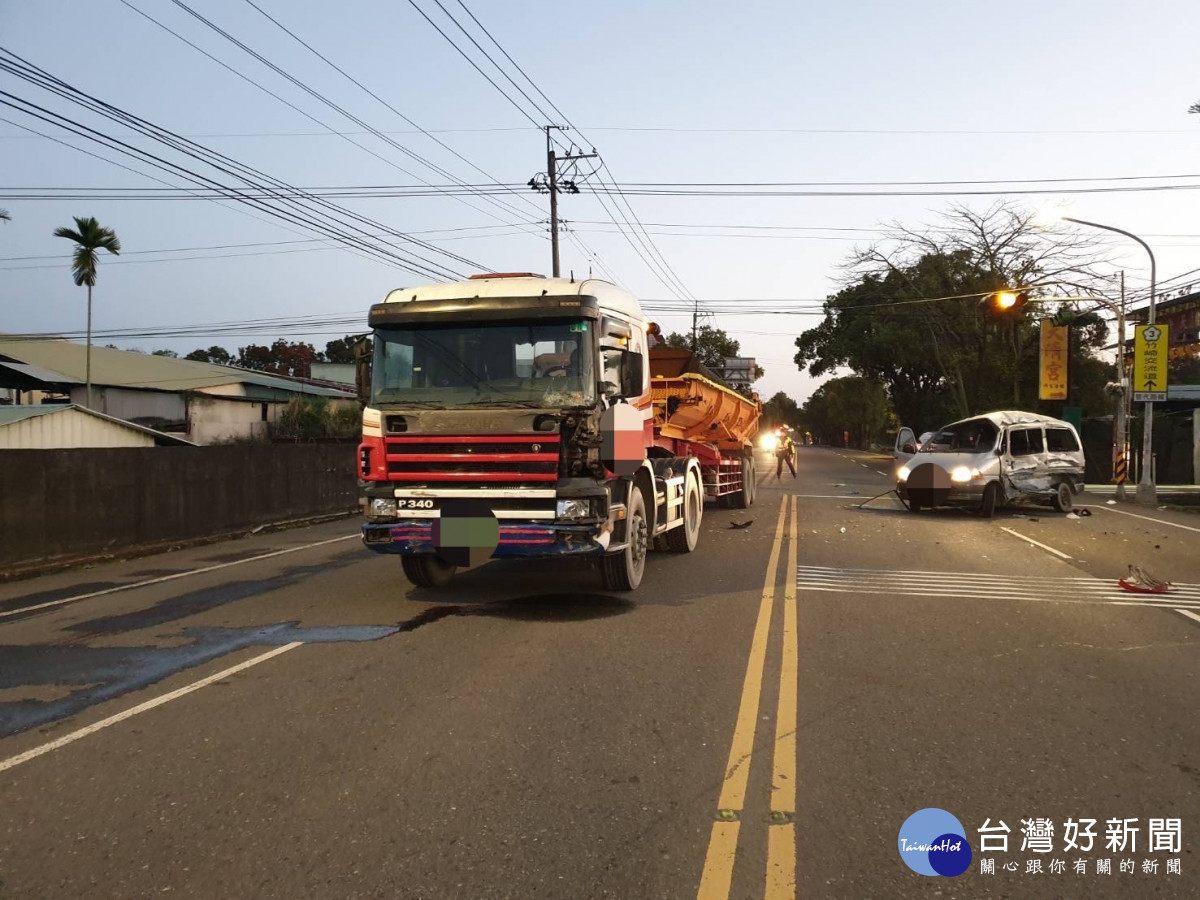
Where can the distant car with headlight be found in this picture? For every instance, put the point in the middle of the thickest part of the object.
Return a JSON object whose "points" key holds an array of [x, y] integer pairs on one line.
{"points": [[990, 460]]}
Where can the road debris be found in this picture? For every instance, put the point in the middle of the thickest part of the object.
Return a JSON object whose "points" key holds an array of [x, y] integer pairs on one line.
{"points": [[842, 529], [1139, 581], [745, 524], [1111, 502]]}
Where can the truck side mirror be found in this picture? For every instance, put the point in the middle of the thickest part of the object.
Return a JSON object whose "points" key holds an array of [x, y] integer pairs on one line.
{"points": [[632, 370], [363, 352]]}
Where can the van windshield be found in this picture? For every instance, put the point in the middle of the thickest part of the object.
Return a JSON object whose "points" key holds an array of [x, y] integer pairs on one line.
{"points": [[976, 436]]}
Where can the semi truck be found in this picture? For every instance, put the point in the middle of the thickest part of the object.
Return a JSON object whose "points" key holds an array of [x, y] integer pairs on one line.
{"points": [[497, 390]]}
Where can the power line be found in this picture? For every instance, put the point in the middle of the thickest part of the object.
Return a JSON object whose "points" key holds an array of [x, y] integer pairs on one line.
{"points": [[389, 106], [251, 177]]}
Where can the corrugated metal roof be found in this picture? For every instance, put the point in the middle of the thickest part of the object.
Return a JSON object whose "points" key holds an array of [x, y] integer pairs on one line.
{"points": [[125, 368], [10, 415]]}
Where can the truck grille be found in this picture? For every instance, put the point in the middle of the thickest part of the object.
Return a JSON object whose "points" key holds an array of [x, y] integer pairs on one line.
{"points": [[492, 460]]}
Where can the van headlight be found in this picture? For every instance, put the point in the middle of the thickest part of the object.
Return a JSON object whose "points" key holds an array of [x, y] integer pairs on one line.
{"points": [[961, 474], [382, 508], [572, 509], [903, 472]]}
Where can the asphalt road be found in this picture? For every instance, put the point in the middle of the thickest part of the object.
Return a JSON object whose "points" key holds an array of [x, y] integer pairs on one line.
{"points": [[285, 716]]}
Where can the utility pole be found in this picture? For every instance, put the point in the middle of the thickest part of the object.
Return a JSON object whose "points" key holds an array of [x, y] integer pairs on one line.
{"points": [[552, 176], [1122, 464], [550, 181], [695, 321]]}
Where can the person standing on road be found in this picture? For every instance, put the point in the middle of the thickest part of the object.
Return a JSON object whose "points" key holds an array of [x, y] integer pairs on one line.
{"points": [[785, 451]]}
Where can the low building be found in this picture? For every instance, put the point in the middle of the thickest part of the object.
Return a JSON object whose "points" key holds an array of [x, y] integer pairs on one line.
{"points": [[66, 426], [198, 401]]}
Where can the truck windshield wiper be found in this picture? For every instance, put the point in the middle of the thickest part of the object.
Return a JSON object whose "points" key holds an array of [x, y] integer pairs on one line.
{"points": [[529, 404]]}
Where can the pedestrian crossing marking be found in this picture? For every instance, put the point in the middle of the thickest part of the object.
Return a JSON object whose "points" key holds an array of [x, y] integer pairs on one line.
{"points": [[985, 586]]}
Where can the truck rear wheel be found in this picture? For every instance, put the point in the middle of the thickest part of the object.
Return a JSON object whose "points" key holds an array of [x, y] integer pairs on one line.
{"points": [[428, 571], [623, 570], [684, 538]]}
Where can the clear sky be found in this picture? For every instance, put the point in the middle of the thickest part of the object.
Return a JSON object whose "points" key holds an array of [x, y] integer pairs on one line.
{"points": [[744, 92]]}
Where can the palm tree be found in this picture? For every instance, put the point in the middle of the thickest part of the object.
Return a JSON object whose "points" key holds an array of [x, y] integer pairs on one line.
{"points": [[89, 237]]}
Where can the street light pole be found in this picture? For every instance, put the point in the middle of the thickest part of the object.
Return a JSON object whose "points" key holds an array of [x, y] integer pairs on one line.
{"points": [[1146, 491]]}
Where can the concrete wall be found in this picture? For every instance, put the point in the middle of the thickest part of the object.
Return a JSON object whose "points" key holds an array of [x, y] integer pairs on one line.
{"points": [[60, 504], [214, 420]]}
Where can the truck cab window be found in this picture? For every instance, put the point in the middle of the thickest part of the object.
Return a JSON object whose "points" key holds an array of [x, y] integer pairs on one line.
{"points": [[611, 369]]}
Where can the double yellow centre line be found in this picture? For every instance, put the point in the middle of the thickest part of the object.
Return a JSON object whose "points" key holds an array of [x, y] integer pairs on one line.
{"points": [[780, 879]]}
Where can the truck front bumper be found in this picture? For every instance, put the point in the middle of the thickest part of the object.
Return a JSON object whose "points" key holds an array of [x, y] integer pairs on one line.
{"points": [[517, 539]]}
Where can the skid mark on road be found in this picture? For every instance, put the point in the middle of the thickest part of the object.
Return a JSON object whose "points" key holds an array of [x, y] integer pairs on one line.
{"points": [[98, 674], [26, 607]]}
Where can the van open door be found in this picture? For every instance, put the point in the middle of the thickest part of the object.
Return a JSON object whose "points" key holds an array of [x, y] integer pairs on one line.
{"points": [[906, 446]]}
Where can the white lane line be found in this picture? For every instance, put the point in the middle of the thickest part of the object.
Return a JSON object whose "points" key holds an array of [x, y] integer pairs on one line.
{"points": [[1147, 518], [1190, 615], [881, 472], [1048, 549], [143, 707], [138, 584]]}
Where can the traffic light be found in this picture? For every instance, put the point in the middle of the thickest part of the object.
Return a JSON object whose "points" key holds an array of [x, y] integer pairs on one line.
{"points": [[1004, 302]]}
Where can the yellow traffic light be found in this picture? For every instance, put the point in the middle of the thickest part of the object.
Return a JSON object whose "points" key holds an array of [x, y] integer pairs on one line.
{"points": [[1003, 302]]}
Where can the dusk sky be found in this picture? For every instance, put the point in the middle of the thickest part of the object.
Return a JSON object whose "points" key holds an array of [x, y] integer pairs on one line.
{"points": [[667, 92]]}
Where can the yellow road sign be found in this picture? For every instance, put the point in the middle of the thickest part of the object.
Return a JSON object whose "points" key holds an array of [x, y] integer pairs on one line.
{"points": [[1052, 362], [1149, 363]]}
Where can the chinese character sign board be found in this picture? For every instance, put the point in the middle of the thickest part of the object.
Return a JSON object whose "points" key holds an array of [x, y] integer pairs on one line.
{"points": [[1150, 363], [1053, 362]]}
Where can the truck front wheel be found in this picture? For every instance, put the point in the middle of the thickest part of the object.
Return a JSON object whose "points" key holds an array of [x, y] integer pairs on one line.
{"points": [[428, 571], [623, 570]]}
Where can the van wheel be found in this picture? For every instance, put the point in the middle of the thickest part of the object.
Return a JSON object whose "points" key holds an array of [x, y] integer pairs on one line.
{"points": [[913, 505], [1064, 498], [684, 538], [623, 570], [987, 508], [428, 571]]}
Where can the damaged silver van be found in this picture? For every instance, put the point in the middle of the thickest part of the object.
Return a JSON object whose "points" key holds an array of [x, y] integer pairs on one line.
{"points": [[990, 460]]}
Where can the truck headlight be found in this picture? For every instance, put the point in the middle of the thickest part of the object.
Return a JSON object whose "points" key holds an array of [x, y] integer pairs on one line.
{"points": [[382, 508], [903, 472], [572, 509], [961, 474]]}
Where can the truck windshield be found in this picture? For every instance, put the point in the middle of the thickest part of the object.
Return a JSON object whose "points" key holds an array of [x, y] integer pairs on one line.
{"points": [[543, 364]]}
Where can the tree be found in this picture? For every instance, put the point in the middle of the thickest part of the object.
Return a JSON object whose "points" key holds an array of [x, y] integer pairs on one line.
{"points": [[214, 354], [281, 358], [1194, 108], [341, 350], [713, 345], [4, 216], [780, 410], [850, 404], [170, 354], [89, 237], [909, 318]]}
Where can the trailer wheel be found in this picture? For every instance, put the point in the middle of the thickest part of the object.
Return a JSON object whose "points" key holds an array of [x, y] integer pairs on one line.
{"points": [[623, 570], [684, 538], [744, 498], [428, 571]]}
